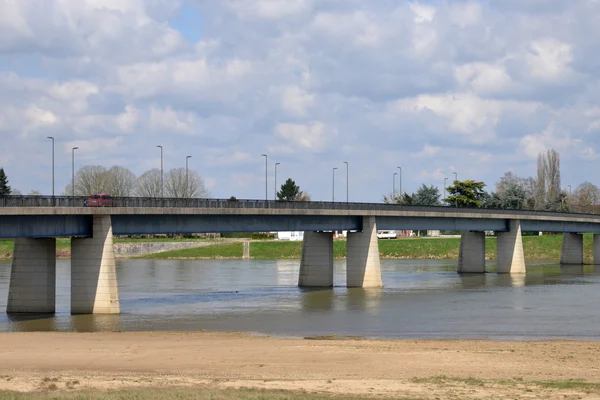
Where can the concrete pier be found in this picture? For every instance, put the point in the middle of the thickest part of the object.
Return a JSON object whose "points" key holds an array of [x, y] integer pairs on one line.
{"points": [[596, 249], [471, 258], [316, 265], [572, 249], [511, 258], [363, 268], [32, 287], [94, 287]]}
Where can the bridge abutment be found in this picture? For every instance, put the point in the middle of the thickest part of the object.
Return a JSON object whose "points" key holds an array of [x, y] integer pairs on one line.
{"points": [[316, 265], [471, 257], [32, 287], [572, 249], [597, 249], [363, 268], [94, 287], [511, 258]]}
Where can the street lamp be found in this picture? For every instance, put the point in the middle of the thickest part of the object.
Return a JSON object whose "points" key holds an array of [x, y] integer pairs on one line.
{"points": [[276, 164], [346, 162], [400, 178], [455, 180], [162, 186], [266, 183], [445, 180], [333, 186], [52, 138], [570, 191], [73, 170], [394, 186], [187, 185]]}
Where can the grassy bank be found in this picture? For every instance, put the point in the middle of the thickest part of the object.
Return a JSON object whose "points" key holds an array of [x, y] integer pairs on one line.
{"points": [[536, 248]]}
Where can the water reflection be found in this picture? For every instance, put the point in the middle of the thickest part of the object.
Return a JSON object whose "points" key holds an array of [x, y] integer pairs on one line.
{"points": [[420, 298]]}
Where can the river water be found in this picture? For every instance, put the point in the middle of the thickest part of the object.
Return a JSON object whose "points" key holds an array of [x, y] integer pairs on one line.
{"points": [[421, 299]]}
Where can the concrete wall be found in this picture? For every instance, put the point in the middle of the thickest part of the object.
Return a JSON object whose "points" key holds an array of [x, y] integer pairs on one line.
{"points": [[316, 265], [471, 257], [572, 249], [32, 286], [94, 288], [596, 249], [511, 258], [363, 268], [132, 249]]}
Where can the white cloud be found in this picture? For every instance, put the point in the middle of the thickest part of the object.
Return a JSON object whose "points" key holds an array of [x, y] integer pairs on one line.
{"points": [[549, 59], [311, 136], [297, 101], [483, 78]]}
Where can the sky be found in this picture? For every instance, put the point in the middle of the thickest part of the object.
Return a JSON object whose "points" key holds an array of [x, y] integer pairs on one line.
{"points": [[435, 87]]}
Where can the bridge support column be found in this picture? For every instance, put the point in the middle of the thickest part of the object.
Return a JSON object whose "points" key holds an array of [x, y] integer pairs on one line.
{"points": [[363, 268], [471, 258], [32, 286], [572, 249], [596, 249], [511, 258], [316, 266], [93, 271]]}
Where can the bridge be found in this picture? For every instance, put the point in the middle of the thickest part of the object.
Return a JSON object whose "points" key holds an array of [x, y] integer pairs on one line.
{"points": [[36, 221]]}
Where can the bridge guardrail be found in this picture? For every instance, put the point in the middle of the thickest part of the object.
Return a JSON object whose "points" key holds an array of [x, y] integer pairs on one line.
{"points": [[137, 202]]}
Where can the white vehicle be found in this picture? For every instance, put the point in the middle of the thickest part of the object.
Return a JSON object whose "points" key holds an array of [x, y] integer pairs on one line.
{"points": [[386, 235]]}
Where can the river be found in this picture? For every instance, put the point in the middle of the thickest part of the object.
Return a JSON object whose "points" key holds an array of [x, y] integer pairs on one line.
{"points": [[421, 299]]}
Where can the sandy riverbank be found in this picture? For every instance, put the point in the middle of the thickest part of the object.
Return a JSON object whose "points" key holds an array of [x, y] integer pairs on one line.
{"points": [[420, 369]]}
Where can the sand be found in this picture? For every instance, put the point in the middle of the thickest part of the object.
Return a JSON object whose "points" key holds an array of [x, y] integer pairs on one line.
{"points": [[422, 368]]}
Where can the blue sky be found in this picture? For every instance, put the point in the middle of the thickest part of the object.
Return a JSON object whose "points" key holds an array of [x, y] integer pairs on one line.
{"points": [[476, 87]]}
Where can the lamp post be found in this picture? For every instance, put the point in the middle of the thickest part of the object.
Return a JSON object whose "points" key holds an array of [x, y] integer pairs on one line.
{"points": [[394, 186], [400, 180], [570, 191], [445, 180], [346, 162], [73, 171], [162, 186], [266, 183], [333, 186], [52, 138], [276, 164], [187, 185], [455, 180]]}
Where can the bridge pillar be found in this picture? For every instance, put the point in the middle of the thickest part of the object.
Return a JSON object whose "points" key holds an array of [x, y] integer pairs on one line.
{"points": [[596, 249], [316, 265], [363, 268], [511, 258], [32, 287], [93, 271], [572, 249], [471, 257]]}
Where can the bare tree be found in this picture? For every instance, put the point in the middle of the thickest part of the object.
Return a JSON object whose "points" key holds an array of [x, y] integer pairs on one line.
{"points": [[540, 187], [586, 198], [303, 196], [148, 185], [180, 185], [553, 177], [120, 182], [89, 180]]}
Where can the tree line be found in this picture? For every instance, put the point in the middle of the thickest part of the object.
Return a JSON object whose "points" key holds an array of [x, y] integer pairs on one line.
{"points": [[542, 193]]}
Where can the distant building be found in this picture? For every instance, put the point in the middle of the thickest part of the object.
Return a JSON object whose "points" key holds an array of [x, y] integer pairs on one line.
{"points": [[292, 236]]}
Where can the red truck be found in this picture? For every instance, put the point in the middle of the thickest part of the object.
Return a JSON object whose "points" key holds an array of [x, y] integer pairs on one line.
{"points": [[100, 200]]}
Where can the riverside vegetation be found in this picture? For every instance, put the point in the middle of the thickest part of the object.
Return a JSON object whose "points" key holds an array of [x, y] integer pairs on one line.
{"points": [[544, 248]]}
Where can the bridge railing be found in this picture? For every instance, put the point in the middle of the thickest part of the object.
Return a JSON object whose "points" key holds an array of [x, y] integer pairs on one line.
{"points": [[140, 202]]}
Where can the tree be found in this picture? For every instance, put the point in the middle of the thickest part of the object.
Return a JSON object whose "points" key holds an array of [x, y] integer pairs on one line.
{"points": [[303, 196], [426, 196], [548, 193], [4, 188], [180, 185], [586, 198], [89, 180], [289, 191], [120, 182], [148, 185], [405, 199], [510, 193], [467, 193]]}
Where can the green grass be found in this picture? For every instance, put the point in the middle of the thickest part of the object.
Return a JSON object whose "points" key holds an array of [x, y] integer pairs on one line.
{"points": [[230, 250], [171, 393]]}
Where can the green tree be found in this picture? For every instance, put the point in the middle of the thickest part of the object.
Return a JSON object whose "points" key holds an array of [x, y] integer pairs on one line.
{"points": [[467, 193], [4, 188], [289, 191], [426, 196]]}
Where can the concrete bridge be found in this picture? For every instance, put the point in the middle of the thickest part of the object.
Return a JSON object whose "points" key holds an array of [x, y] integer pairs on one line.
{"points": [[36, 222]]}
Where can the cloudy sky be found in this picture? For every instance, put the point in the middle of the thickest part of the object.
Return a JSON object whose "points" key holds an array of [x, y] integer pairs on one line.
{"points": [[436, 87]]}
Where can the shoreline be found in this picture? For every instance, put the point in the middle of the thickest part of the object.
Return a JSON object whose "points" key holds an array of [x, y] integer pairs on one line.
{"points": [[418, 369]]}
